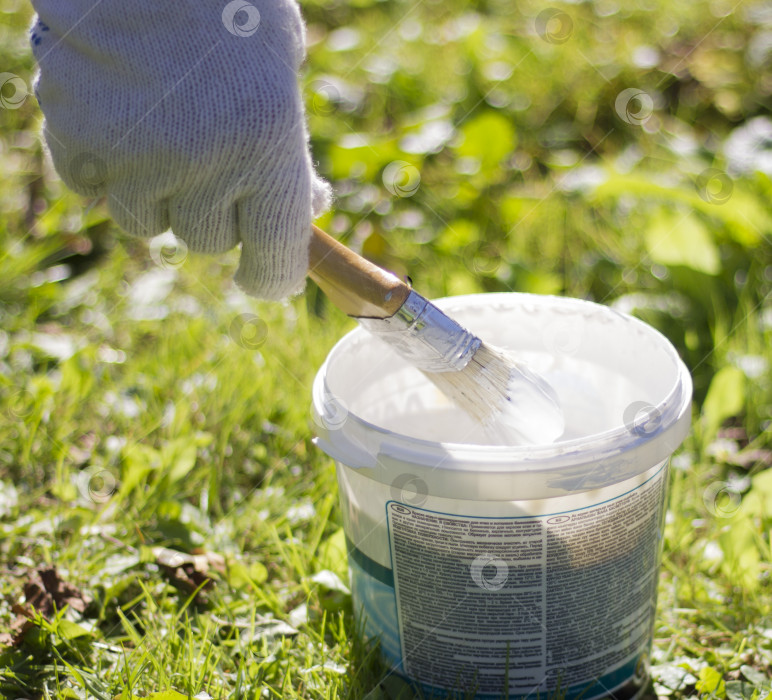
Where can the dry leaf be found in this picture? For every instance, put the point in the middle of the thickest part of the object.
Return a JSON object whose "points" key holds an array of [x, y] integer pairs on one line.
{"points": [[47, 593], [189, 572]]}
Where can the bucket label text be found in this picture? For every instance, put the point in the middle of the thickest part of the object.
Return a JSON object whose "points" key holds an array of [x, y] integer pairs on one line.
{"points": [[564, 600]]}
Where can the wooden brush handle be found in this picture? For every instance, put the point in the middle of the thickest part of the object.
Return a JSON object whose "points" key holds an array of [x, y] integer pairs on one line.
{"points": [[356, 286]]}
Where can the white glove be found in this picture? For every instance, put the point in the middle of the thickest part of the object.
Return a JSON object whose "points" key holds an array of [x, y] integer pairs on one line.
{"points": [[186, 115]]}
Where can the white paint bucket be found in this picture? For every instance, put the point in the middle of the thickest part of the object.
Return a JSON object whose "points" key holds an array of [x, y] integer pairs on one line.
{"points": [[510, 570]]}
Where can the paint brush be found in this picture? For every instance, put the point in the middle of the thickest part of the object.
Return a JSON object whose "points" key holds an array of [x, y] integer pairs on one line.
{"points": [[514, 404]]}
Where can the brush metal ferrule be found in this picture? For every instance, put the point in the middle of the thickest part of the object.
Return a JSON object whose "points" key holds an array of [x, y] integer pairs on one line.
{"points": [[425, 336]]}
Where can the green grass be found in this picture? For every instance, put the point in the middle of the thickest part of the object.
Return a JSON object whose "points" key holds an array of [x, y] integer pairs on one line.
{"points": [[146, 403]]}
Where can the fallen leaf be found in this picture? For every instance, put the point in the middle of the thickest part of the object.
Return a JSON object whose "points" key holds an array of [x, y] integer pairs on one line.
{"points": [[46, 593], [331, 581], [189, 572], [202, 563], [298, 616], [330, 666], [266, 628]]}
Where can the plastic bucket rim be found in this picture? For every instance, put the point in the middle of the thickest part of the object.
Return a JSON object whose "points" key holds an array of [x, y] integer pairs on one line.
{"points": [[594, 447]]}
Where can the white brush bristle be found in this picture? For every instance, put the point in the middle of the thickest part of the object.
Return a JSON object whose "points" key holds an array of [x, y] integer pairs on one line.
{"points": [[514, 404]]}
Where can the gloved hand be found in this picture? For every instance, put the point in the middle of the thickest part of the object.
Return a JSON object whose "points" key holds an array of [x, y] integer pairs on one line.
{"points": [[186, 115]]}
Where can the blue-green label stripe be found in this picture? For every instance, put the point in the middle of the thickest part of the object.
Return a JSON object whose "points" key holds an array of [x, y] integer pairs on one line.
{"points": [[370, 566]]}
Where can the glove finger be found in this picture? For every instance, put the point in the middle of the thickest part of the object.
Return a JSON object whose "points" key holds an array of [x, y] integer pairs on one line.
{"points": [[83, 172], [206, 221], [275, 230], [137, 215]]}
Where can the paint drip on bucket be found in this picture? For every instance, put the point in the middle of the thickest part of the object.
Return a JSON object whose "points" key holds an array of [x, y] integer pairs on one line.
{"points": [[510, 570]]}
